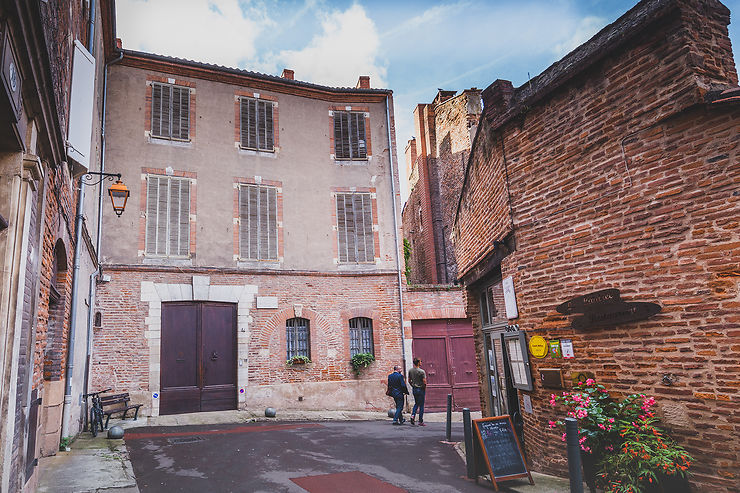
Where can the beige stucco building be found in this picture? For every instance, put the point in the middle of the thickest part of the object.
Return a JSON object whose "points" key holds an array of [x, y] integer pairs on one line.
{"points": [[262, 225]]}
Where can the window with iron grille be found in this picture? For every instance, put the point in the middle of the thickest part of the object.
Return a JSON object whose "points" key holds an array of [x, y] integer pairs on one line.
{"points": [[361, 336], [349, 135], [297, 337], [355, 227], [256, 124], [258, 230], [167, 216], [170, 111]]}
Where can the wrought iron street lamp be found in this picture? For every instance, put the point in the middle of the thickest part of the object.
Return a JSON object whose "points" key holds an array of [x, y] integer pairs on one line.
{"points": [[118, 192]]}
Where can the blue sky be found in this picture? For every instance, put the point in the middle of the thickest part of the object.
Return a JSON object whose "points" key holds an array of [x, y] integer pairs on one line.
{"points": [[412, 47]]}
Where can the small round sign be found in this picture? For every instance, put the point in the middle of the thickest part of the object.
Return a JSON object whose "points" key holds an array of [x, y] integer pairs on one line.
{"points": [[155, 395], [538, 346]]}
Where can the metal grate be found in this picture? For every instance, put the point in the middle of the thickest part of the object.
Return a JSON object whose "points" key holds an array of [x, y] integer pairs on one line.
{"points": [[181, 440]]}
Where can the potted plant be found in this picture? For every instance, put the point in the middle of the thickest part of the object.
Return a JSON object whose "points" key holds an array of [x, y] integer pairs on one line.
{"points": [[298, 360], [360, 361], [622, 448]]}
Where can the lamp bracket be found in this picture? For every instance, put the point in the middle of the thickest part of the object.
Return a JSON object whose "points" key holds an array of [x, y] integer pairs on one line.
{"points": [[95, 177]]}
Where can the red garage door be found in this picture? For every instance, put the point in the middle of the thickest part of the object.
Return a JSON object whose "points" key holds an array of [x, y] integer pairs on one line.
{"points": [[448, 356]]}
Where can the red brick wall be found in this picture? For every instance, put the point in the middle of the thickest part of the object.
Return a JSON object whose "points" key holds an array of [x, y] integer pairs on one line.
{"points": [[121, 354], [624, 178], [443, 129]]}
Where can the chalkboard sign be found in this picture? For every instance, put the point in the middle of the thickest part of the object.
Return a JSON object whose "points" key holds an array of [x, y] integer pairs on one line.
{"points": [[499, 451]]}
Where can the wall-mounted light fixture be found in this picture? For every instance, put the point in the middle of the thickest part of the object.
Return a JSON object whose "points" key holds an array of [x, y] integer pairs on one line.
{"points": [[118, 192]]}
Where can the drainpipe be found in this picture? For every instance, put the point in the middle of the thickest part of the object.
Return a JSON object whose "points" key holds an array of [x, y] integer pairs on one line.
{"points": [[79, 218], [395, 231], [99, 270]]}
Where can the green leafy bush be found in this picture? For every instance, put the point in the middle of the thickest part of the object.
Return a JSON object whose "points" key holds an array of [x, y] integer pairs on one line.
{"points": [[360, 361]]}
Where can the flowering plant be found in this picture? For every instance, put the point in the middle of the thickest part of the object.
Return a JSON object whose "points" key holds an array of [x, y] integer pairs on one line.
{"points": [[620, 440], [591, 405]]}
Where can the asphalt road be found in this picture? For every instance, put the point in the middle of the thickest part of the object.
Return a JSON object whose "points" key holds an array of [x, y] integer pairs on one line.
{"points": [[323, 457]]}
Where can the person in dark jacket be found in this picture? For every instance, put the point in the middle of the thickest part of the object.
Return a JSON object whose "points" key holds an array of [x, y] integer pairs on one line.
{"points": [[397, 389]]}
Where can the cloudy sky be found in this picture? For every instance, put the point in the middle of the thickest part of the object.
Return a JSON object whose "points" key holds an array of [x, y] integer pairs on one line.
{"points": [[413, 47]]}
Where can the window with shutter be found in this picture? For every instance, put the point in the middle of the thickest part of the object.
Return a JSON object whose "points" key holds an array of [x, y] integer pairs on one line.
{"points": [[355, 227], [297, 337], [258, 231], [170, 111], [257, 130], [349, 135], [167, 216], [361, 336]]}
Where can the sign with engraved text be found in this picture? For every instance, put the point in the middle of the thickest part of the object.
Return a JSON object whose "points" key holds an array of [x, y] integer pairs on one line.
{"points": [[605, 308]]}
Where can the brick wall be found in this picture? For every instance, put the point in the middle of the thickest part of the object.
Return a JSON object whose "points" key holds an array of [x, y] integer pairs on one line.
{"points": [[440, 152], [121, 350], [620, 175]]}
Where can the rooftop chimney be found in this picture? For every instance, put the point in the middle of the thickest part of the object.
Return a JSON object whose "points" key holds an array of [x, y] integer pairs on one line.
{"points": [[288, 74], [363, 82]]}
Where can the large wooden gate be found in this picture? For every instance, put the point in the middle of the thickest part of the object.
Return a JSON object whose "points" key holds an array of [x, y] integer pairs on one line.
{"points": [[198, 357], [448, 356]]}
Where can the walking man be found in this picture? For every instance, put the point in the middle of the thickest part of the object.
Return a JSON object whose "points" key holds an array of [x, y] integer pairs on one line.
{"points": [[418, 381], [397, 389]]}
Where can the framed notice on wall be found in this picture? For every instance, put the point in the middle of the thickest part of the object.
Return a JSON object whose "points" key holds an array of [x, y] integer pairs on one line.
{"points": [[517, 357]]}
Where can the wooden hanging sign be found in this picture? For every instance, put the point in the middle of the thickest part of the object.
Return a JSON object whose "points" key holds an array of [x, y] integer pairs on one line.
{"points": [[498, 451]]}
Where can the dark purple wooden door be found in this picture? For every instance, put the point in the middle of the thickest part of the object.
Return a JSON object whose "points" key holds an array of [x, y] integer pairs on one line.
{"points": [[433, 353], [219, 357], [198, 357], [448, 355]]}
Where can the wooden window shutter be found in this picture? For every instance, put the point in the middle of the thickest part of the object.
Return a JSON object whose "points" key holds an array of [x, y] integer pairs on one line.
{"points": [[152, 209], [341, 135], [258, 233], [341, 228], [180, 113], [168, 216], [360, 136], [156, 109], [355, 228], [367, 212]]}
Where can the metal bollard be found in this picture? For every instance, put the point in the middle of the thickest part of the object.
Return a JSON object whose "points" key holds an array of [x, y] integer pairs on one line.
{"points": [[574, 455], [469, 451], [449, 417]]}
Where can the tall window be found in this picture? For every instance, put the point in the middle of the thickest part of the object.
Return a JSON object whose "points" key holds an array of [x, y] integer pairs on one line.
{"points": [[168, 216], [297, 337], [488, 310], [170, 111], [355, 227], [258, 231], [361, 336], [256, 124], [349, 135]]}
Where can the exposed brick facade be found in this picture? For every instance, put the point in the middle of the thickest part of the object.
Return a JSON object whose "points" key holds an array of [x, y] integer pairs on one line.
{"points": [[122, 357], [435, 165], [614, 169]]}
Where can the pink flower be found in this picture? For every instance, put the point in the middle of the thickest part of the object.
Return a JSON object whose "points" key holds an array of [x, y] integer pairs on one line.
{"points": [[586, 449], [582, 439], [611, 420], [609, 448], [590, 381], [552, 399], [602, 426], [563, 437], [552, 424], [581, 413]]}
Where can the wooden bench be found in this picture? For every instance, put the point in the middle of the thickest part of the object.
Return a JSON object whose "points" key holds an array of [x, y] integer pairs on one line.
{"points": [[118, 403]]}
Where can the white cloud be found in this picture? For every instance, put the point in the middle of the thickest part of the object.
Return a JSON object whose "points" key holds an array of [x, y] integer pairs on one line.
{"points": [[586, 28], [194, 29], [346, 48]]}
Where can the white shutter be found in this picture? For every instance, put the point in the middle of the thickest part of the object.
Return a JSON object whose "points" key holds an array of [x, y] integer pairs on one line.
{"points": [[81, 104], [168, 216]]}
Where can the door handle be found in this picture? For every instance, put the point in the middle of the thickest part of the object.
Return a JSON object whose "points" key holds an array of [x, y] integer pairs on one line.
{"points": [[214, 356]]}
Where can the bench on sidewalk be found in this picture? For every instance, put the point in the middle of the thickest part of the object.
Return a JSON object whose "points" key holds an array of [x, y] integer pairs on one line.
{"points": [[118, 403]]}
